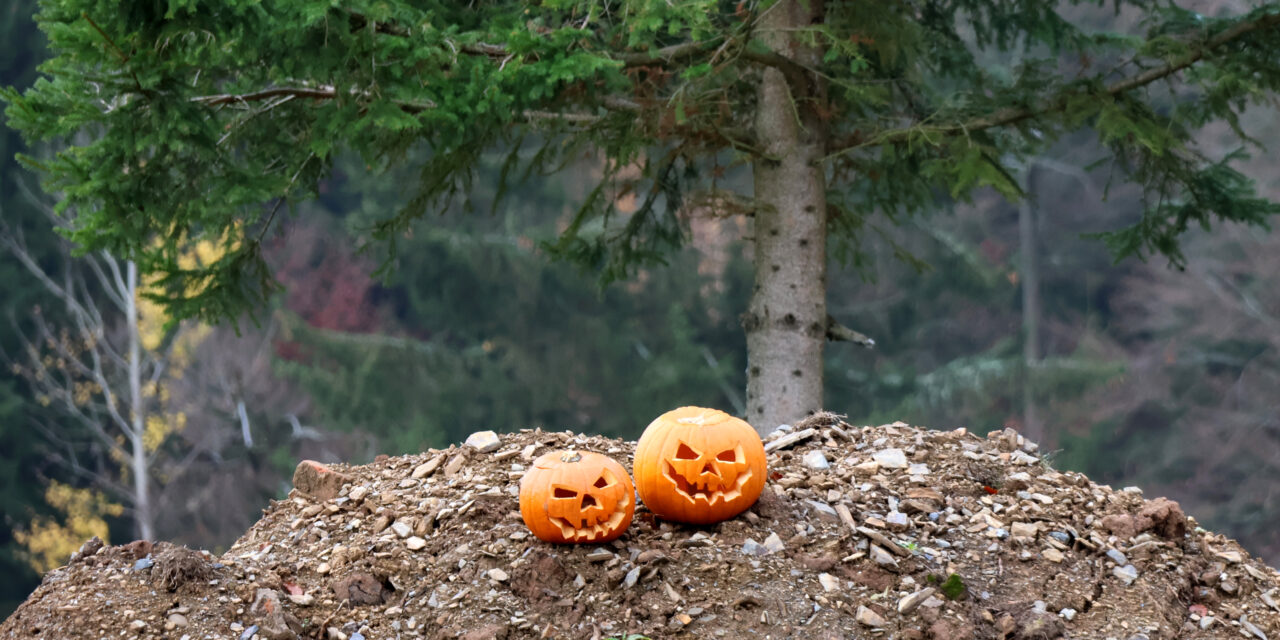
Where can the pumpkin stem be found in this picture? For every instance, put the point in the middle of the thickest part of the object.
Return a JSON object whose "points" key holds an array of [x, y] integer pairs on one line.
{"points": [[570, 456]]}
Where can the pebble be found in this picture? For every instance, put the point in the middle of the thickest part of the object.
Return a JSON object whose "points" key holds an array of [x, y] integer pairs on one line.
{"points": [[891, 458], [144, 563], [829, 582], [773, 543], [137, 625], [1068, 613], [1024, 529], [869, 618], [402, 529], [484, 441], [177, 620], [1252, 628], [883, 558], [816, 460], [913, 601], [1053, 555], [869, 468], [498, 574], [302, 599], [250, 632], [415, 543], [632, 577], [1117, 557], [753, 548], [1127, 573], [1234, 557], [823, 509]]}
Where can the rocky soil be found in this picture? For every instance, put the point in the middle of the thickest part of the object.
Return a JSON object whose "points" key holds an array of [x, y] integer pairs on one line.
{"points": [[874, 532]]}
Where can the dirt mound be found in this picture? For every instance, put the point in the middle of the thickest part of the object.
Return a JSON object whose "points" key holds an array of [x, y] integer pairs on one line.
{"points": [[874, 532]]}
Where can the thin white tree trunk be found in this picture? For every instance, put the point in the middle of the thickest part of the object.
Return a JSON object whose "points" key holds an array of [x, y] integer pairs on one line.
{"points": [[138, 423], [787, 318]]}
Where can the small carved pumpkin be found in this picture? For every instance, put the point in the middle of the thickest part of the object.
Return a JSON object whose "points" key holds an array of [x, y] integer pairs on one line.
{"points": [[575, 497], [699, 465]]}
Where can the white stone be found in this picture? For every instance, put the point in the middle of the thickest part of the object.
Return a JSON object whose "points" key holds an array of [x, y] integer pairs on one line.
{"points": [[869, 618], [402, 529], [773, 543], [1127, 573], [815, 459], [913, 601], [828, 581], [891, 458], [498, 574], [484, 441], [415, 543]]}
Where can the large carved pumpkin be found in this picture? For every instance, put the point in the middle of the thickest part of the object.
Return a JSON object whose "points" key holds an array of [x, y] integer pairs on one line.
{"points": [[576, 497], [699, 465]]}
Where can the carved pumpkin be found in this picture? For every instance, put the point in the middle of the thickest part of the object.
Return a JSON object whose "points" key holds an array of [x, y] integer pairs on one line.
{"points": [[576, 497], [699, 465]]}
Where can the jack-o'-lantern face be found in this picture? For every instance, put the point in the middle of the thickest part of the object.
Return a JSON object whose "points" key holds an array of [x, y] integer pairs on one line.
{"points": [[699, 465], [576, 497], [707, 476]]}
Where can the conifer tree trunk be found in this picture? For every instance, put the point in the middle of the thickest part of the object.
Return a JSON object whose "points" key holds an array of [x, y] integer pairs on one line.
{"points": [[786, 320]]}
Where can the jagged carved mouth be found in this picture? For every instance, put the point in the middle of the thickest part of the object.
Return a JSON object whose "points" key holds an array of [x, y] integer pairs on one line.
{"points": [[696, 491], [584, 533]]}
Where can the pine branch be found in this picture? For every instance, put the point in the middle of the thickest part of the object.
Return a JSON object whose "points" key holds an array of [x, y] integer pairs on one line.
{"points": [[1014, 115]]}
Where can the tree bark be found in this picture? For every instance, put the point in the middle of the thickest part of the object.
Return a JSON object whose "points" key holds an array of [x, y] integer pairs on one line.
{"points": [[142, 515], [786, 323]]}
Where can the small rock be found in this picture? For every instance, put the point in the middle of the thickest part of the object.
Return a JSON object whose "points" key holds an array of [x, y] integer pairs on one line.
{"points": [[402, 529], [1024, 529], [484, 441], [869, 618], [828, 581], [498, 574], [137, 625], [415, 543], [1233, 557], [632, 577], [1252, 628], [823, 509], [177, 620], [753, 548], [1068, 613], [883, 558], [1117, 557], [1127, 573], [773, 543], [302, 599], [891, 458], [867, 468], [317, 480], [357, 494], [815, 459], [1053, 555], [913, 601], [918, 469], [427, 468], [274, 623], [250, 632]]}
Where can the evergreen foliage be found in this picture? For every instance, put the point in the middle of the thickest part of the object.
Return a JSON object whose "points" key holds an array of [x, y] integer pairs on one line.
{"points": [[190, 118]]}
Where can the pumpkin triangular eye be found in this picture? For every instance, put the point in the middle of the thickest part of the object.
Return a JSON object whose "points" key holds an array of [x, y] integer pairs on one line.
{"points": [[685, 452], [561, 492], [602, 482], [728, 455]]}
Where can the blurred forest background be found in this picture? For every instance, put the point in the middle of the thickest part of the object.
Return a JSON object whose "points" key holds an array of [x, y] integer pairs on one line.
{"points": [[1133, 373]]}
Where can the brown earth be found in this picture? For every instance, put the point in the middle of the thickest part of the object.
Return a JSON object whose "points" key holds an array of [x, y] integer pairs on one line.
{"points": [[909, 533]]}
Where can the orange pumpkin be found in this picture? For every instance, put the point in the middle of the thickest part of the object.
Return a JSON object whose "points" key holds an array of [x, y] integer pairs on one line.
{"points": [[576, 497], [699, 465]]}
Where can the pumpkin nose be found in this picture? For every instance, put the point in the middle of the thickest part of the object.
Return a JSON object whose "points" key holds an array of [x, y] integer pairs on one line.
{"points": [[711, 469], [588, 501]]}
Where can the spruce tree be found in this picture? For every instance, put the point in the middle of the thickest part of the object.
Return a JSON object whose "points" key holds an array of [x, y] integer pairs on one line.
{"points": [[191, 118]]}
